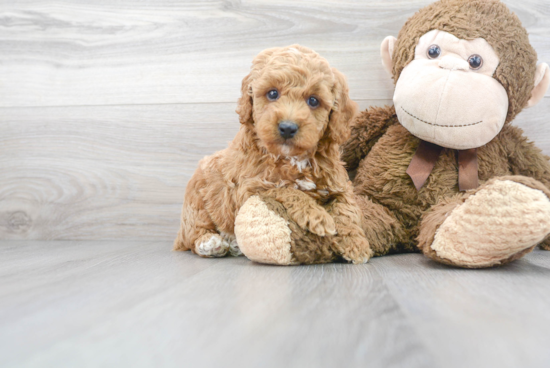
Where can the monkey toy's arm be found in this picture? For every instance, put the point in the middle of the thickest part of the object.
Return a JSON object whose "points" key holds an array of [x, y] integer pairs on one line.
{"points": [[525, 158], [366, 128], [528, 160]]}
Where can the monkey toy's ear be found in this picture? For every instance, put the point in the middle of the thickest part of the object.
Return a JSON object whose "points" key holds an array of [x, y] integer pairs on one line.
{"points": [[542, 81], [386, 51]]}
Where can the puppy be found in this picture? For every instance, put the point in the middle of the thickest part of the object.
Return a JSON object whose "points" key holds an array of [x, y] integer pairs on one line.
{"points": [[294, 113]]}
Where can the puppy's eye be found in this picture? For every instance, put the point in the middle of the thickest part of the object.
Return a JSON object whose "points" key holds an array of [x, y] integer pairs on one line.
{"points": [[434, 51], [475, 62], [313, 102], [272, 95]]}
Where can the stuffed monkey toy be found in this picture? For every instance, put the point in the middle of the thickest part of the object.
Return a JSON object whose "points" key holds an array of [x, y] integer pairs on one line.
{"points": [[444, 171]]}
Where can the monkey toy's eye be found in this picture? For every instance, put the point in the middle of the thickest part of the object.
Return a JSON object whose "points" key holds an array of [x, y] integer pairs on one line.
{"points": [[475, 61], [272, 95], [434, 51], [313, 102]]}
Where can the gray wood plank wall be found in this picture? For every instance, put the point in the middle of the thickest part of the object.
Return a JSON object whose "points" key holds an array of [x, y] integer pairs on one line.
{"points": [[106, 106]]}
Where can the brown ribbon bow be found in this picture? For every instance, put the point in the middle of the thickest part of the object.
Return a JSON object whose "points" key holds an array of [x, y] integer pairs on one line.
{"points": [[426, 156]]}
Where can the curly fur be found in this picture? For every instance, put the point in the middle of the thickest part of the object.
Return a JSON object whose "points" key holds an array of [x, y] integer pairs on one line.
{"points": [[305, 173]]}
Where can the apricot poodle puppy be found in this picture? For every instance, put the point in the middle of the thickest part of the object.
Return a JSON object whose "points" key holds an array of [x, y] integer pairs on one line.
{"points": [[294, 113]]}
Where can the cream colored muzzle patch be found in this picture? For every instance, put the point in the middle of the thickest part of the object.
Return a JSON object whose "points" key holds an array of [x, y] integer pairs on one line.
{"points": [[262, 235], [494, 224], [438, 106], [443, 101]]}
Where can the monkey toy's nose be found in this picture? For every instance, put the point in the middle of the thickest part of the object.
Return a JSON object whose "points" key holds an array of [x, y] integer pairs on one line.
{"points": [[287, 129], [453, 63]]}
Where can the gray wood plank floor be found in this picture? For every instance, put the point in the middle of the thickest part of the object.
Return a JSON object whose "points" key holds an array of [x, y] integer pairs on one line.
{"points": [[113, 303]]}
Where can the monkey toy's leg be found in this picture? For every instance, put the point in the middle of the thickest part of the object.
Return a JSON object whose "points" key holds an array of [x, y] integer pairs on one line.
{"points": [[382, 229], [304, 210], [495, 224], [286, 226], [197, 231], [268, 233]]}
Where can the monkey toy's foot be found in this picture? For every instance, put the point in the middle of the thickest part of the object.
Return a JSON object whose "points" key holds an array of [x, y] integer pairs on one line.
{"points": [[266, 234], [497, 223]]}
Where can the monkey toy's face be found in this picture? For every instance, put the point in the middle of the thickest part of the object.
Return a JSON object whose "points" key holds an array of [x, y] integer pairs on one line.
{"points": [[447, 94]]}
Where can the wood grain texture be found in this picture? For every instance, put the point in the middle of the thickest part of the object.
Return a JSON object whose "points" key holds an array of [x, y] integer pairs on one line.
{"points": [[61, 53], [112, 303], [90, 304], [103, 172], [119, 172], [106, 107], [476, 318]]}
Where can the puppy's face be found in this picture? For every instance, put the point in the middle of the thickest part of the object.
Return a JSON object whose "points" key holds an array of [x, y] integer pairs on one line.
{"points": [[293, 95]]}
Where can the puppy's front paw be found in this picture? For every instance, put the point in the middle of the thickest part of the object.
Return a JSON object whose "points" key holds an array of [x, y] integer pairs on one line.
{"points": [[234, 249], [357, 249], [319, 222]]}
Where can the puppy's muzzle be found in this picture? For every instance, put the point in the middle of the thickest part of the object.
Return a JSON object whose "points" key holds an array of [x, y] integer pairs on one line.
{"points": [[287, 129]]}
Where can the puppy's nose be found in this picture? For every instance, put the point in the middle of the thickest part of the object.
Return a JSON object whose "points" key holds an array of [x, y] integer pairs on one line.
{"points": [[287, 129]]}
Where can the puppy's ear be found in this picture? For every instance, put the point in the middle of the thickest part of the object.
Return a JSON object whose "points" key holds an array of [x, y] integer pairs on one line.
{"points": [[343, 110], [244, 107]]}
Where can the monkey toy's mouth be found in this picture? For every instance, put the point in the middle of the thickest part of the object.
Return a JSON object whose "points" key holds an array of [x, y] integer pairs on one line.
{"points": [[449, 113], [441, 125], [447, 130]]}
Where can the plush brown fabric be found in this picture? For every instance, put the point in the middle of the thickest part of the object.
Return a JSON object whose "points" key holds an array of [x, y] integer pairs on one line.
{"points": [[393, 208], [305, 247], [396, 216], [366, 128], [321, 232], [545, 244], [514, 230], [431, 220]]}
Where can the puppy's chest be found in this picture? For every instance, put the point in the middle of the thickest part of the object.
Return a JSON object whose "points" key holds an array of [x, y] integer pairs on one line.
{"points": [[316, 189], [305, 182], [321, 192]]}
